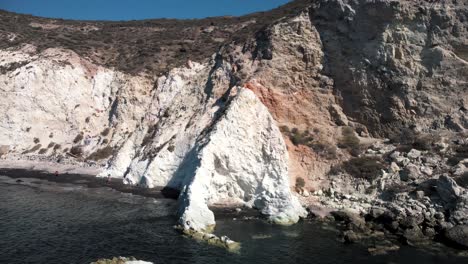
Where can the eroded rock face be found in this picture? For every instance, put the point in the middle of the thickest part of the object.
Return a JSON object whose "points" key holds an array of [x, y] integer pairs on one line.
{"points": [[242, 160], [51, 98], [231, 151], [390, 60]]}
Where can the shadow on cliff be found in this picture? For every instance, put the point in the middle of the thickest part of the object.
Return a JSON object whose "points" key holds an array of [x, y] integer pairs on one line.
{"points": [[352, 35]]}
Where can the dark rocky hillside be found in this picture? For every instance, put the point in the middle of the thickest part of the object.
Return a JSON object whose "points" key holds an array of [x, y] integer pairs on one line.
{"points": [[155, 45]]}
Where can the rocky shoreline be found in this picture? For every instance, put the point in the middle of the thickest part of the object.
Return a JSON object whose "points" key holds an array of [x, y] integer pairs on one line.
{"points": [[419, 216], [418, 196]]}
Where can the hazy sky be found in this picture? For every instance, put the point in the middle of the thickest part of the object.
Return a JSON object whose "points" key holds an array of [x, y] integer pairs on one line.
{"points": [[136, 9]]}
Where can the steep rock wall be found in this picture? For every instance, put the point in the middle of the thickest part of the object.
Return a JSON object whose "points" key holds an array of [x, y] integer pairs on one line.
{"points": [[57, 100], [243, 160]]}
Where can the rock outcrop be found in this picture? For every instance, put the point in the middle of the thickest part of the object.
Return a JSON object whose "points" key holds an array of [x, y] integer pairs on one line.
{"points": [[243, 159]]}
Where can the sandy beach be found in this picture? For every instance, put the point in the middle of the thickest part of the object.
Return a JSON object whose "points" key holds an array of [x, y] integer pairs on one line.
{"points": [[75, 174]]}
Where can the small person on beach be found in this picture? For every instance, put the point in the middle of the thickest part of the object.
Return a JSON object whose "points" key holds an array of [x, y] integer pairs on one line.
{"points": [[108, 179], [56, 174]]}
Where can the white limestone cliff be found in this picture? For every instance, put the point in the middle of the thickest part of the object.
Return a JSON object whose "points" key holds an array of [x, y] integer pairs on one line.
{"points": [[54, 96], [243, 160], [231, 151]]}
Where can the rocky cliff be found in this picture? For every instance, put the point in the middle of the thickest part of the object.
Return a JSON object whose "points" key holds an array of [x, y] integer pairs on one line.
{"points": [[248, 111]]}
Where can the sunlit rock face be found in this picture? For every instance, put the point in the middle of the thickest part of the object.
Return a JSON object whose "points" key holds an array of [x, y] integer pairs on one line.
{"points": [[209, 128], [242, 160], [231, 151], [50, 98]]}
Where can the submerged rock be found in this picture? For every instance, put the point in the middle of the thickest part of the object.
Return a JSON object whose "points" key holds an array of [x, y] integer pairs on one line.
{"points": [[211, 239], [121, 260]]}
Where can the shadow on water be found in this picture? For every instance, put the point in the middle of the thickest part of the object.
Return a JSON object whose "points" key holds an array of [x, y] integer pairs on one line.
{"points": [[81, 225]]}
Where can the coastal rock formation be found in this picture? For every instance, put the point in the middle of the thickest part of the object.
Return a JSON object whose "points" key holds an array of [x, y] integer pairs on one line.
{"points": [[352, 103], [242, 160]]}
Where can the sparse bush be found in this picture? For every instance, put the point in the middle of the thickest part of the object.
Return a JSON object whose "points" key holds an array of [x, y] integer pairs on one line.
{"points": [[51, 144], [78, 138], [285, 129], [76, 151], [87, 119], [368, 168], [105, 132], [325, 150], [51, 135], [166, 113], [42, 151], [171, 148], [33, 149], [297, 137], [36, 140], [57, 146], [101, 154], [426, 142], [300, 183], [349, 140], [412, 139], [105, 141], [303, 138]]}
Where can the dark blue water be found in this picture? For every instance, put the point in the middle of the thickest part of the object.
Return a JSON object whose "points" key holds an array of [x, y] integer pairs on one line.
{"points": [[50, 223]]}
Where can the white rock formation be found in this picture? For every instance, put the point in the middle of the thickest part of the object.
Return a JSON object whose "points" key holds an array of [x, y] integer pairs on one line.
{"points": [[242, 160], [190, 131], [55, 95]]}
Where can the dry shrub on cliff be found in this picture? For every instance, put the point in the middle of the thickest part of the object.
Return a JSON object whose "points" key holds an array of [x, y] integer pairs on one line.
{"points": [[101, 154], [33, 149], [105, 132], [324, 149], [300, 183], [368, 168], [348, 140], [43, 151], [411, 139], [171, 148], [426, 142], [297, 137], [76, 151], [78, 138]]}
